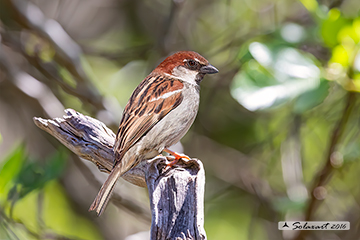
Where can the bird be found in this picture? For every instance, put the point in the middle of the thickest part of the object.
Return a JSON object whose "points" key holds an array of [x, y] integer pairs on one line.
{"points": [[158, 114]]}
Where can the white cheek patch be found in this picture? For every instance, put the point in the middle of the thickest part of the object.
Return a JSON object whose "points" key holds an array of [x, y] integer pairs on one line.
{"points": [[166, 95], [185, 74]]}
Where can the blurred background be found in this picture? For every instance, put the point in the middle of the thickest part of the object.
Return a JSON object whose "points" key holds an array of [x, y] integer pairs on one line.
{"points": [[277, 131]]}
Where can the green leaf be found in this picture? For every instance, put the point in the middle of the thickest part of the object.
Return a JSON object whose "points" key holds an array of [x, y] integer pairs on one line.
{"points": [[34, 176], [312, 98], [11, 167], [332, 26], [347, 34], [276, 74], [341, 55], [55, 166]]}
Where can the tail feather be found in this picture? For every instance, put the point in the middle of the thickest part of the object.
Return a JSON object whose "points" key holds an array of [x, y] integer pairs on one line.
{"points": [[103, 197]]}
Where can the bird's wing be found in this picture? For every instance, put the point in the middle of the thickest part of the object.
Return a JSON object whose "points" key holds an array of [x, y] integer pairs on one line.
{"points": [[155, 97]]}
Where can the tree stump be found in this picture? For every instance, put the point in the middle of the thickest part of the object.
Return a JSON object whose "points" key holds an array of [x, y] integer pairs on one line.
{"points": [[176, 194]]}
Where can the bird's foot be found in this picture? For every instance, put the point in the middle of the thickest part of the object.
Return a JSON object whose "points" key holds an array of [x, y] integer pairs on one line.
{"points": [[177, 157]]}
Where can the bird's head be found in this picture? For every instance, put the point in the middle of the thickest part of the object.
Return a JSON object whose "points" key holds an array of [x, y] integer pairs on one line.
{"points": [[186, 65]]}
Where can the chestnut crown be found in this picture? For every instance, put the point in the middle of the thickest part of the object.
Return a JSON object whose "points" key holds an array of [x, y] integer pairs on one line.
{"points": [[187, 59]]}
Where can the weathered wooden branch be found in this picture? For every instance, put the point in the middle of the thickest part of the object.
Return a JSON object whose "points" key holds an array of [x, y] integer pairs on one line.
{"points": [[176, 194]]}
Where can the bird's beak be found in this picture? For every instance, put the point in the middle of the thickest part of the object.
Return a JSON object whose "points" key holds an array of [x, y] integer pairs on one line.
{"points": [[208, 69]]}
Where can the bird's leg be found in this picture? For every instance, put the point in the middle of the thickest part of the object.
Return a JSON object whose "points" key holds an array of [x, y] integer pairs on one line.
{"points": [[177, 157]]}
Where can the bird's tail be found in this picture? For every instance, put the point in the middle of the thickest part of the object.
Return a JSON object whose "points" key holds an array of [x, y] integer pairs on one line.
{"points": [[103, 197]]}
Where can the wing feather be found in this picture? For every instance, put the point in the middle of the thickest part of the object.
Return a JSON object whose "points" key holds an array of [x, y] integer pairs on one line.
{"points": [[150, 102]]}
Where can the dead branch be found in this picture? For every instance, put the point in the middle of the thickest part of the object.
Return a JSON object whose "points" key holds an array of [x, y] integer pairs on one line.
{"points": [[176, 194]]}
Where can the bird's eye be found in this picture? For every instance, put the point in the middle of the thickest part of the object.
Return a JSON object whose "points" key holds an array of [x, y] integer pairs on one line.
{"points": [[192, 64]]}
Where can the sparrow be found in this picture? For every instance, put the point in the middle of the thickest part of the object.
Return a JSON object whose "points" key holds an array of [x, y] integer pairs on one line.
{"points": [[158, 114]]}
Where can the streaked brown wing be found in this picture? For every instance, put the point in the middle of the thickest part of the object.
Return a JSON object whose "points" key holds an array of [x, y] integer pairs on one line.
{"points": [[154, 98]]}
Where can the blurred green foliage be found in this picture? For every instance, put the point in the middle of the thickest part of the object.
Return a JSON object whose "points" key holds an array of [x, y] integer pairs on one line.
{"points": [[31, 197], [283, 107]]}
